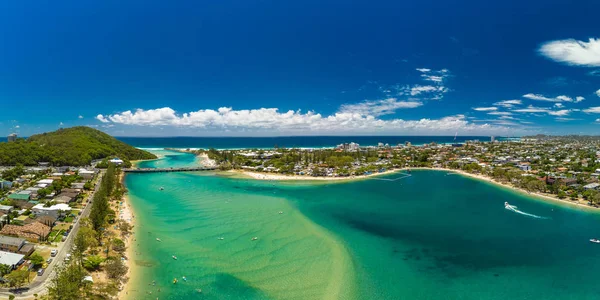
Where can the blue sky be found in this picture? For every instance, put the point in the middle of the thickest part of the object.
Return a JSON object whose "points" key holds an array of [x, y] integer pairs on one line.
{"points": [[261, 68]]}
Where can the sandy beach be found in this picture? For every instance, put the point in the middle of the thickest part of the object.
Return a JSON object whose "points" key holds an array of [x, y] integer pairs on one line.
{"points": [[126, 214], [269, 176]]}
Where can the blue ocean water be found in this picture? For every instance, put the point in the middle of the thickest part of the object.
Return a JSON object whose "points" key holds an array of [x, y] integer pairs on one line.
{"points": [[287, 141]]}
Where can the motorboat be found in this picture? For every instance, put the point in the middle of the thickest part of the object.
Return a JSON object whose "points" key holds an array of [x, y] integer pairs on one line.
{"points": [[174, 280], [158, 240], [221, 238], [255, 238], [280, 212], [174, 257], [597, 241], [184, 279], [161, 188]]}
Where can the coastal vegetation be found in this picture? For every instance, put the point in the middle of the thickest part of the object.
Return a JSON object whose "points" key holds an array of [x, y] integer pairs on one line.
{"points": [[561, 167], [76, 146], [92, 251]]}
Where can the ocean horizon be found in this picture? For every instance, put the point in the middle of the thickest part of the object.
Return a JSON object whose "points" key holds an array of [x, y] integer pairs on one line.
{"points": [[289, 141]]}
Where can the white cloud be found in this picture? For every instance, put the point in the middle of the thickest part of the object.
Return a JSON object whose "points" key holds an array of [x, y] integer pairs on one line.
{"points": [[562, 119], [433, 78], [579, 99], [508, 103], [500, 113], [598, 93], [562, 112], [17, 126], [378, 107], [573, 52], [544, 98], [420, 89], [485, 108], [80, 117], [558, 105], [102, 119], [533, 109], [271, 121], [592, 110]]}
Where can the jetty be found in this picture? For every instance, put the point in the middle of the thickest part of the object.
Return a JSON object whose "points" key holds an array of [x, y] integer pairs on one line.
{"points": [[159, 170]]}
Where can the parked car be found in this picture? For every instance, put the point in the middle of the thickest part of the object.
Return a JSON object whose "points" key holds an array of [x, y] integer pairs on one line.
{"points": [[49, 260], [40, 272], [68, 257], [53, 252]]}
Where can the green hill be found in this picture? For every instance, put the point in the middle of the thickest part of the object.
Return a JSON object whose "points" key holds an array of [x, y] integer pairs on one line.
{"points": [[76, 146]]}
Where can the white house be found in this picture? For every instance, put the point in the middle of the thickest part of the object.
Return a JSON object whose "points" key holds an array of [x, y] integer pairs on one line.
{"points": [[116, 161], [11, 259], [55, 211], [87, 174], [45, 181]]}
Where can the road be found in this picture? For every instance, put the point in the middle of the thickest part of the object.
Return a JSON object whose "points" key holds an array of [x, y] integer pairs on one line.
{"points": [[38, 286]]}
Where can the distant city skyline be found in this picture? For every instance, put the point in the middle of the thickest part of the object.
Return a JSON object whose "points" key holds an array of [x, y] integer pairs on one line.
{"points": [[236, 68]]}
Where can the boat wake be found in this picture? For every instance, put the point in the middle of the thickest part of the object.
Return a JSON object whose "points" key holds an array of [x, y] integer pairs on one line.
{"points": [[515, 209]]}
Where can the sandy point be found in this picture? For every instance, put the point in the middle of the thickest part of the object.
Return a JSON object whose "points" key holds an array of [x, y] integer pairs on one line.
{"points": [[126, 214]]}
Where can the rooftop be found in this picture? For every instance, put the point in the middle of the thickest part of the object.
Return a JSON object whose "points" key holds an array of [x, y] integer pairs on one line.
{"points": [[10, 259], [9, 240]]}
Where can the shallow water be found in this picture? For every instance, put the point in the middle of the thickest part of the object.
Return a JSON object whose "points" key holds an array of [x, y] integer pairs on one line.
{"points": [[428, 236]]}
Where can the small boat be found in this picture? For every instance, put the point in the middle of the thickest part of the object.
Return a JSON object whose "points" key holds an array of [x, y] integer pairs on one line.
{"points": [[597, 241], [161, 188], [255, 238], [174, 280], [199, 290], [158, 240], [280, 212], [184, 279], [174, 257], [221, 238], [509, 207]]}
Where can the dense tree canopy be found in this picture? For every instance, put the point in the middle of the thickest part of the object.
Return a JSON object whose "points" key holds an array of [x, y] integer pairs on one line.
{"points": [[76, 146]]}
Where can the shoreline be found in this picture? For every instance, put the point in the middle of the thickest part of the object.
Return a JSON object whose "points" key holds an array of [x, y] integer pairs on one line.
{"points": [[127, 214], [278, 177]]}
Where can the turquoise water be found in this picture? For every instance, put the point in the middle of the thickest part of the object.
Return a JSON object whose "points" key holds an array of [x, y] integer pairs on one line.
{"points": [[429, 236]]}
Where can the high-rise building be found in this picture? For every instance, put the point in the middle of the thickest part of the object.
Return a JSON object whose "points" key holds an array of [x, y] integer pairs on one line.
{"points": [[12, 137]]}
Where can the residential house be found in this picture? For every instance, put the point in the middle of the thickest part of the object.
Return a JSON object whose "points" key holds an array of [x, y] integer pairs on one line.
{"points": [[524, 167], [63, 199], [11, 259], [33, 232], [18, 196], [85, 174], [6, 208], [4, 184], [11, 244], [54, 211], [591, 186], [78, 185]]}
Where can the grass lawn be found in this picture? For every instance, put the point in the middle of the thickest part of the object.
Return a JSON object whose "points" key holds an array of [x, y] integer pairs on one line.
{"points": [[69, 219], [54, 235], [61, 226]]}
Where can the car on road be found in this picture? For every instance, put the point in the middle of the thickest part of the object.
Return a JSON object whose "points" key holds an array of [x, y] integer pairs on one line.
{"points": [[53, 252], [49, 260], [40, 272]]}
